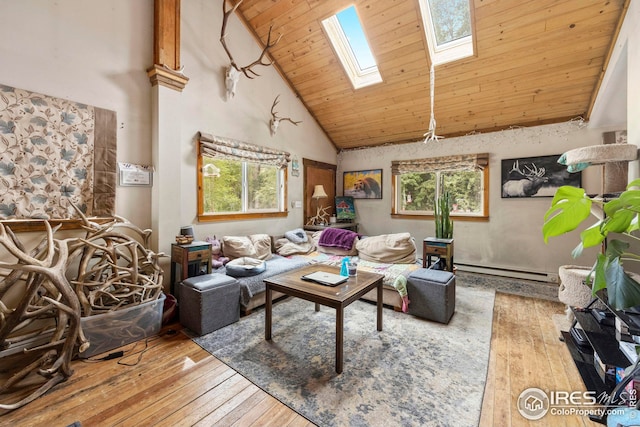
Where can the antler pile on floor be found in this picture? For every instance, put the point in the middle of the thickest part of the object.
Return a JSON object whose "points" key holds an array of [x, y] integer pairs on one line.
{"points": [[40, 308]]}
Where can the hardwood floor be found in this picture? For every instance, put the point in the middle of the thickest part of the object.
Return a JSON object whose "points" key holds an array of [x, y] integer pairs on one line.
{"points": [[176, 383], [526, 352]]}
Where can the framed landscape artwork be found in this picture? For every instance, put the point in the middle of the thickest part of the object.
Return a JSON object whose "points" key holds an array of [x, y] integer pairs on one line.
{"points": [[535, 177], [365, 184]]}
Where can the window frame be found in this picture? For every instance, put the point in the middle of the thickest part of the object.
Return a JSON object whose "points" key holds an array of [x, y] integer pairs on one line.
{"points": [[484, 217], [238, 216], [358, 77], [450, 51]]}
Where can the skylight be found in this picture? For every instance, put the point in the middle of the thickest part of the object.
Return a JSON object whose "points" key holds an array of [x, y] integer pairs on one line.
{"points": [[350, 43], [447, 24]]}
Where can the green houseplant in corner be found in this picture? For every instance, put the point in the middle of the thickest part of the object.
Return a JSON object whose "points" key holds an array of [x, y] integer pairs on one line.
{"points": [[571, 206], [444, 224]]}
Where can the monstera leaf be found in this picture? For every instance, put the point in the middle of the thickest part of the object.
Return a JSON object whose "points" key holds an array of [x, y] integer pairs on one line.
{"points": [[571, 207]]}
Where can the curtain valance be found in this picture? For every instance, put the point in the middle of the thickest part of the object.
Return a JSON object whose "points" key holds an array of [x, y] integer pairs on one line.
{"points": [[231, 149], [462, 162]]}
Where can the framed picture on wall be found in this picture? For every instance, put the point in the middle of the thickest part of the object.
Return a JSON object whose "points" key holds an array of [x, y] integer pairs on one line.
{"points": [[365, 184], [535, 177], [345, 210]]}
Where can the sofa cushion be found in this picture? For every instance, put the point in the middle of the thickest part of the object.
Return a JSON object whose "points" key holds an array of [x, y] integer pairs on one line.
{"points": [[253, 246], [285, 247], [398, 248], [245, 267]]}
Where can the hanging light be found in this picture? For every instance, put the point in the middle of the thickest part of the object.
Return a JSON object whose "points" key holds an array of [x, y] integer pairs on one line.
{"points": [[431, 134]]}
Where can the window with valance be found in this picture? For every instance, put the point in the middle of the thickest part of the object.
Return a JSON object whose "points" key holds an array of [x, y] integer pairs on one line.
{"points": [[418, 183], [239, 180]]}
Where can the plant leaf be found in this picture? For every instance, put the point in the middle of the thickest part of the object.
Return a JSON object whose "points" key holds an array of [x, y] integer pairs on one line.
{"points": [[577, 251], [622, 291], [592, 236], [616, 248], [619, 222], [629, 199], [570, 206], [634, 183]]}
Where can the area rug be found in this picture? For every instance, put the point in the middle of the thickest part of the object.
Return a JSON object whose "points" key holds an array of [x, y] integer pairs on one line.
{"points": [[413, 373]]}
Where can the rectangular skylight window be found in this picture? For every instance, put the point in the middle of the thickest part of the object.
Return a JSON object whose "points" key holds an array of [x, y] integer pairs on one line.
{"points": [[350, 44], [447, 24]]}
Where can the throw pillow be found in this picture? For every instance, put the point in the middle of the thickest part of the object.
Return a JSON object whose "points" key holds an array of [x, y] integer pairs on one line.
{"points": [[284, 247], [253, 246], [399, 248]]}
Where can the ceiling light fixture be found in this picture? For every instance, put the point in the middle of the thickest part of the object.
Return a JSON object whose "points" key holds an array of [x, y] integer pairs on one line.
{"points": [[431, 134]]}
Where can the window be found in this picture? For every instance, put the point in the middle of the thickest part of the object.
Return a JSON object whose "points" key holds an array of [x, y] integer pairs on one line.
{"points": [[447, 24], [238, 180], [350, 44], [418, 183]]}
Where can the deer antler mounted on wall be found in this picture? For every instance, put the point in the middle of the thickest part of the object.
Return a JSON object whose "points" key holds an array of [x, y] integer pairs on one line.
{"points": [[275, 120], [232, 73]]}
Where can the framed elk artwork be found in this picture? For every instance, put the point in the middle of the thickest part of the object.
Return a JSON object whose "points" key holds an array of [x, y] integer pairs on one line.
{"points": [[535, 177]]}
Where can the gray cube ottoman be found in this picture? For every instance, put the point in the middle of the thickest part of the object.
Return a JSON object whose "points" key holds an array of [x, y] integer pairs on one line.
{"points": [[432, 294], [208, 302]]}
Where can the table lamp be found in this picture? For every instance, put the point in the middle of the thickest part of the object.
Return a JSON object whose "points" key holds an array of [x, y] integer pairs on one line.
{"points": [[319, 193]]}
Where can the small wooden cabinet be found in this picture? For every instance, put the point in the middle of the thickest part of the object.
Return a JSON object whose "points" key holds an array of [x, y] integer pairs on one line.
{"points": [[441, 248], [191, 258]]}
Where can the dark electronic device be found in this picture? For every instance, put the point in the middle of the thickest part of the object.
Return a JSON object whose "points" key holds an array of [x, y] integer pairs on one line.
{"points": [[579, 337]]}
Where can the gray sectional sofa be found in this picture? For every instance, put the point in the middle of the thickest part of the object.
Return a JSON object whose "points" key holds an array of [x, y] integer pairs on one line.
{"points": [[393, 256]]}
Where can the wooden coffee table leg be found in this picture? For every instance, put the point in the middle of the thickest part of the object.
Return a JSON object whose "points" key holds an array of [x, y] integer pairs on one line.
{"points": [[380, 306], [339, 338], [267, 313]]}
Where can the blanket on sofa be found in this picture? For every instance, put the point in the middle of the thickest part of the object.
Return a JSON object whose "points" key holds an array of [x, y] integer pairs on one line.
{"points": [[337, 238], [253, 285]]}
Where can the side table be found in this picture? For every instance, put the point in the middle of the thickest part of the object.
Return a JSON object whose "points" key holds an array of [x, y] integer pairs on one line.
{"points": [[442, 248], [190, 258]]}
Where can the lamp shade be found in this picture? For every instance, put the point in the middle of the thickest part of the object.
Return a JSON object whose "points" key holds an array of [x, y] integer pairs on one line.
{"points": [[319, 193]]}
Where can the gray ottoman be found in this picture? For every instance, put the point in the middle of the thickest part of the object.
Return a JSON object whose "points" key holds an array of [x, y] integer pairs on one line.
{"points": [[432, 294], [208, 302]]}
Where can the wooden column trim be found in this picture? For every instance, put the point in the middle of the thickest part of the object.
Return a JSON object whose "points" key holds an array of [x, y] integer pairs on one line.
{"points": [[167, 70], [164, 76]]}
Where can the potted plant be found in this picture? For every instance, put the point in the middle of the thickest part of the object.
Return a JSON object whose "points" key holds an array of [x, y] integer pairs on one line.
{"points": [[444, 224], [571, 206]]}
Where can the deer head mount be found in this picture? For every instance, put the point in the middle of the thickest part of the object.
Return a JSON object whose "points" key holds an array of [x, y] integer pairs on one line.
{"points": [[232, 73], [275, 120]]}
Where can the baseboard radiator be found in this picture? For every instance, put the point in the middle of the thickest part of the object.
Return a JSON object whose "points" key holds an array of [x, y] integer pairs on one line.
{"points": [[509, 272]]}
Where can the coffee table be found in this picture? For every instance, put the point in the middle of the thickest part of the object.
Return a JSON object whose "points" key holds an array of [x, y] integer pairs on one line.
{"points": [[338, 297]]}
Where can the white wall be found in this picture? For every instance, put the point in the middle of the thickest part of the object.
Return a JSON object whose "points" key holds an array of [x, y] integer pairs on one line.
{"points": [[632, 21], [91, 51], [245, 117], [512, 238]]}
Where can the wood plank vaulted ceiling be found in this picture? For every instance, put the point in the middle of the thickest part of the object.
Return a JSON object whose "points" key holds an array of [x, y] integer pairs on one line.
{"points": [[536, 62]]}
